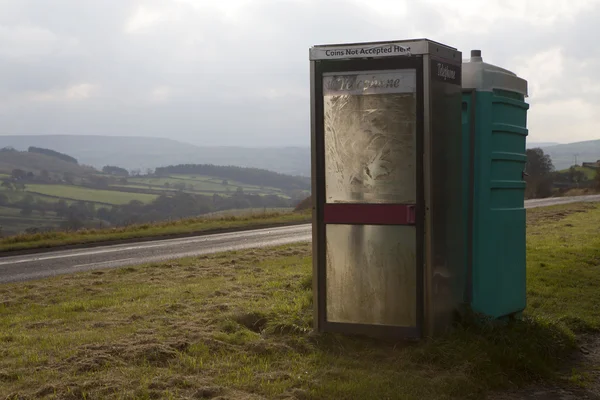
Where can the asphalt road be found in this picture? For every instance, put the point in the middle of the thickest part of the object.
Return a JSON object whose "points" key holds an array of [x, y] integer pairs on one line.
{"points": [[26, 267], [21, 268]]}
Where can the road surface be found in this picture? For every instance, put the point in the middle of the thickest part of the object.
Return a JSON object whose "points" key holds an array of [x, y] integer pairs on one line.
{"points": [[26, 267]]}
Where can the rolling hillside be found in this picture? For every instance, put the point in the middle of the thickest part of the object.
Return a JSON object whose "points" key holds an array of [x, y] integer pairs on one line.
{"points": [[36, 163], [142, 153], [40, 192], [564, 155]]}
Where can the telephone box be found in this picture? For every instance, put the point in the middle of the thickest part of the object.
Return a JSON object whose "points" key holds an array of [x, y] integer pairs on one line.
{"points": [[388, 223]]}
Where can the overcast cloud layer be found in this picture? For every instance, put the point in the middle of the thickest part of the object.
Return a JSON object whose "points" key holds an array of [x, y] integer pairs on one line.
{"points": [[234, 72]]}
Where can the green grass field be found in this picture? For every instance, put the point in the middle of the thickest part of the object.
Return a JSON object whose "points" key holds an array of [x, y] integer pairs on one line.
{"points": [[14, 196], [238, 325], [199, 183], [589, 173], [164, 189], [91, 195]]}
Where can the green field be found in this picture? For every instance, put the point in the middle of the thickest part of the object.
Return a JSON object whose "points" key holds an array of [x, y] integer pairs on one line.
{"points": [[198, 183], [9, 212], [14, 196], [589, 173], [91, 195], [162, 189], [238, 325]]}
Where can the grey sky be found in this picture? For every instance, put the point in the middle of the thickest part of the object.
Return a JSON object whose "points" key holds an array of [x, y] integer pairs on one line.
{"points": [[235, 72]]}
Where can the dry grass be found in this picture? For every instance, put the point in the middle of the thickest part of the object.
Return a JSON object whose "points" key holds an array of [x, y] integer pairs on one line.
{"points": [[238, 326]]}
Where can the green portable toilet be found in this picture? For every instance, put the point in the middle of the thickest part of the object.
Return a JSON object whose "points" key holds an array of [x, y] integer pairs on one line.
{"points": [[494, 117]]}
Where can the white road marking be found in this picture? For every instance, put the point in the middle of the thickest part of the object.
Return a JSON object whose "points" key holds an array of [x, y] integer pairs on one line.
{"points": [[155, 244], [241, 235], [102, 262]]}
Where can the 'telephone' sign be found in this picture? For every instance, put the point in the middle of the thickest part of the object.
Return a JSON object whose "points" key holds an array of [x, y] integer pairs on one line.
{"points": [[445, 72], [370, 82]]}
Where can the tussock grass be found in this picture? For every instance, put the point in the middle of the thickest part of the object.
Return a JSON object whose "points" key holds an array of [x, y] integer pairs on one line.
{"points": [[238, 325], [182, 226]]}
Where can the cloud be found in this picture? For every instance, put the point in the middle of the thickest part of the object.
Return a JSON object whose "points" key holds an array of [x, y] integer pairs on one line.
{"points": [[236, 71]]}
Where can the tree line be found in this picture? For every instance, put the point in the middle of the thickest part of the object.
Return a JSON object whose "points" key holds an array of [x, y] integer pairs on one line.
{"points": [[80, 214], [542, 179]]}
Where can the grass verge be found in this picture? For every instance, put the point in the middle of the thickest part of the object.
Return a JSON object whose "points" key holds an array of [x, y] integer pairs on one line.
{"points": [[161, 229], [238, 325]]}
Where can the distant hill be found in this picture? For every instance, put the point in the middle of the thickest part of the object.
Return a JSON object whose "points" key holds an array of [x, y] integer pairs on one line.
{"points": [[36, 162], [142, 152], [564, 155], [531, 145]]}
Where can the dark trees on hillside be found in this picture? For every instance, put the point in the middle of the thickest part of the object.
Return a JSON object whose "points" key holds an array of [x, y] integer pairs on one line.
{"points": [[113, 170], [68, 177], [45, 175], [164, 207], [572, 175], [7, 184], [52, 153], [18, 174], [539, 174], [98, 181]]}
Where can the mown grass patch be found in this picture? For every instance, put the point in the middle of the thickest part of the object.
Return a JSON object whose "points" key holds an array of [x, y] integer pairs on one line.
{"points": [[238, 325], [563, 262]]}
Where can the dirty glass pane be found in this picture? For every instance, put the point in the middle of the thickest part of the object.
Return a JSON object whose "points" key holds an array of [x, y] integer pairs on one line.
{"points": [[370, 137], [371, 274]]}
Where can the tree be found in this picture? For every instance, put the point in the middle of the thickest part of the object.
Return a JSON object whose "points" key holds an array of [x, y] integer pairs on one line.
{"points": [[98, 181], [18, 174], [7, 184], [68, 177], [539, 171], [61, 208], [597, 179], [113, 170], [575, 175], [27, 210], [45, 175]]}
